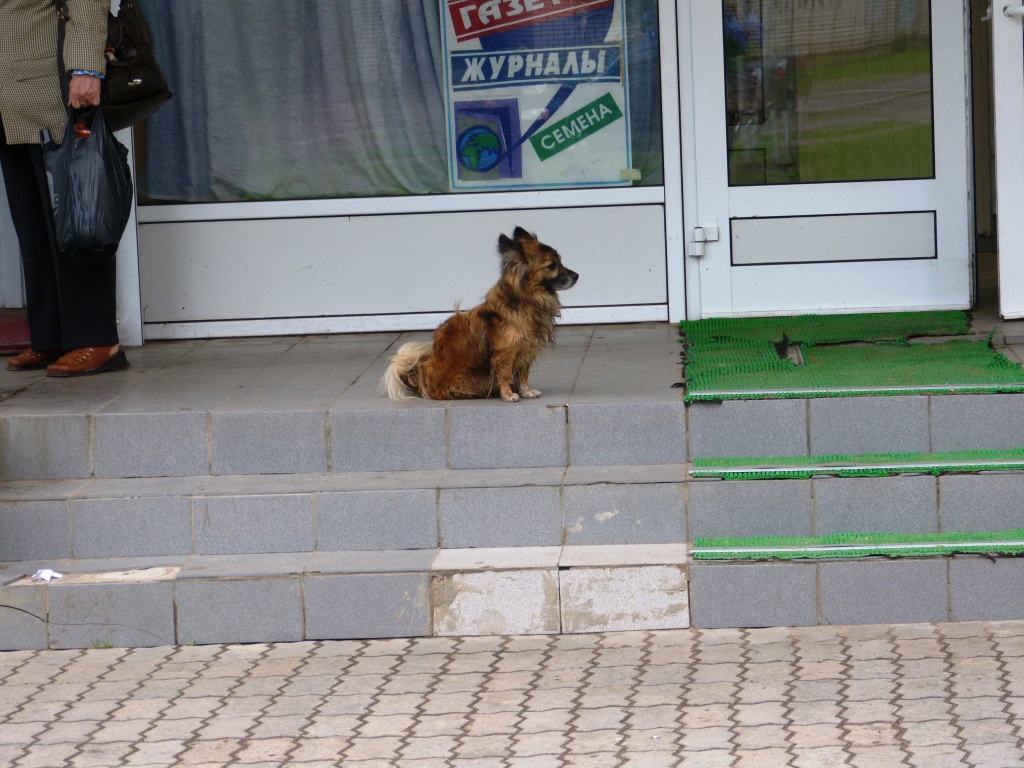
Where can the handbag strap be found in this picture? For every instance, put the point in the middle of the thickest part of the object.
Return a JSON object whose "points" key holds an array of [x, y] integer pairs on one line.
{"points": [[62, 19], [131, 26]]}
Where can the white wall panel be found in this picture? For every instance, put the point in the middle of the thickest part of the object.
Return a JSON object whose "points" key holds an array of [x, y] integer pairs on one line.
{"points": [[374, 265]]}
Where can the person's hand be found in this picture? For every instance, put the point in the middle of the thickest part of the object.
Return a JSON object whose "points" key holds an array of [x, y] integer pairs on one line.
{"points": [[84, 91]]}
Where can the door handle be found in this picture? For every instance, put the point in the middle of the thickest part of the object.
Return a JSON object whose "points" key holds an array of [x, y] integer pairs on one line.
{"points": [[1013, 10]]}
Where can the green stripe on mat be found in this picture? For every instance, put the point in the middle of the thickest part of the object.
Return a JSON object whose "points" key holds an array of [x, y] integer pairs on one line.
{"points": [[772, 394], [826, 329], [741, 358], [849, 545], [859, 465]]}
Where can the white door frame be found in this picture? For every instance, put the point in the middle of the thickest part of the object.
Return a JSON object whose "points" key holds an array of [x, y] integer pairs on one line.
{"points": [[712, 287], [673, 17], [1008, 107], [688, 121], [129, 296]]}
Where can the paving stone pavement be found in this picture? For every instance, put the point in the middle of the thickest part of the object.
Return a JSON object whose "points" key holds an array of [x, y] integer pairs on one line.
{"points": [[928, 695]]}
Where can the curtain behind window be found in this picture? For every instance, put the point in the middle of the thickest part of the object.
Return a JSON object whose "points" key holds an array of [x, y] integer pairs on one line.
{"points": [[284, 99]]}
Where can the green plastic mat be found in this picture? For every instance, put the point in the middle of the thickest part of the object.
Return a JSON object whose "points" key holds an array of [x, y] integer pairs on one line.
{"points": [[743, 358], [859, 465], [852, 545]]}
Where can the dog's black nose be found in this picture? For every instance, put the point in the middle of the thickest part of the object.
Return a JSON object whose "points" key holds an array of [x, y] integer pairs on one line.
{"points": [[564, 280]]}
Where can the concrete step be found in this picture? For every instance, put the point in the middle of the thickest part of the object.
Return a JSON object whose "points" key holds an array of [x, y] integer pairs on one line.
{"points": [[370, 435], [303, 406], [855, 425], [532, 590], [333, 595], [310, 405], [260, 514], [860, 591], [911, 503], [373, 436], [454, 509]]}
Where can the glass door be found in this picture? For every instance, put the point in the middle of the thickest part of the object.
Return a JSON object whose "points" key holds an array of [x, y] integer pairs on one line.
{"points": [[831, 155], [1008, 101]]}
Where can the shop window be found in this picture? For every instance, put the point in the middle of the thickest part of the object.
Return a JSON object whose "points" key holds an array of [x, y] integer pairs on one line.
{"points": [[292, 99], [830, 90]]}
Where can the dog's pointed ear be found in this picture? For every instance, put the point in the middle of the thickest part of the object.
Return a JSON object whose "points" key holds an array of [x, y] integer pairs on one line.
{"points": [[511, 252], [522, 234]]}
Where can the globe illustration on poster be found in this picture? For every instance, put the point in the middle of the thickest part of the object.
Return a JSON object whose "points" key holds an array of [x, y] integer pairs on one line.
{"points": [[479, 149]]}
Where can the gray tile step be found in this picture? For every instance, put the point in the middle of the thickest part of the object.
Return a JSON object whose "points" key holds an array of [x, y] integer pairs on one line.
{"points": [[369, 511], [534, 590], [232, 515], [866, 591], [983, 501], [337, 595], [855, 425], [310, 405], [371, 435]]}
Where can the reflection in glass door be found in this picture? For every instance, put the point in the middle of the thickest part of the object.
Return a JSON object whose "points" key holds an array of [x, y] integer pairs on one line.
{"points": [[812, 98], [834, 171]]}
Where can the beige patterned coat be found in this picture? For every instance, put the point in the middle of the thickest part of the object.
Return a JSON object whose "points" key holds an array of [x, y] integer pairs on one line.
{"points": [[30, 94]]}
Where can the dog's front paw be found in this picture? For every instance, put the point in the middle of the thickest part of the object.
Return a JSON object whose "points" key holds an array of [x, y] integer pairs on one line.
{"points": [[512, 397], [530, 392]]}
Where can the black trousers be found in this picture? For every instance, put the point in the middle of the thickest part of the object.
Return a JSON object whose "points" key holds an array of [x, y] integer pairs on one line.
{"points": [[69, 305]]}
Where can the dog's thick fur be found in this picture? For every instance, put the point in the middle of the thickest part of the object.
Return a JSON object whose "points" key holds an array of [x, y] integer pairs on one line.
{"points": [[490, 348]]}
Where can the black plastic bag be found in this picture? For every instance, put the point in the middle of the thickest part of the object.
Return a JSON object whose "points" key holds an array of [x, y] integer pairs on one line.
{"points": [[90, 188]]}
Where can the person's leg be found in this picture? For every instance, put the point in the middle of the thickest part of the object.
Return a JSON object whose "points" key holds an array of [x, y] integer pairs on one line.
{"points": [[87, 293], [31, 224]]}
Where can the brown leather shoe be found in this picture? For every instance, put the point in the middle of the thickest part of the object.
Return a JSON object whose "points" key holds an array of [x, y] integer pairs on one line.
{"points": [[87, 361], [30, 360]]}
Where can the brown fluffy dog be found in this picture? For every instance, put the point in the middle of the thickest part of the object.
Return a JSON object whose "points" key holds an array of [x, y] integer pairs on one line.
{"points": [[491, 347]]}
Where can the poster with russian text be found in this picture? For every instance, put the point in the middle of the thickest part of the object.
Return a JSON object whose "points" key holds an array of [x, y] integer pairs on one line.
{"points": [[536, 94]]}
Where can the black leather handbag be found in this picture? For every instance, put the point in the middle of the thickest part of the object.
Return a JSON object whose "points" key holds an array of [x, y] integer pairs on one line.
{"points": [[134, 87]]}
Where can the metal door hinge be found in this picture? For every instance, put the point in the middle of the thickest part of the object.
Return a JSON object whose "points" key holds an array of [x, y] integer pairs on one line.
{"points": [[701, 235]]}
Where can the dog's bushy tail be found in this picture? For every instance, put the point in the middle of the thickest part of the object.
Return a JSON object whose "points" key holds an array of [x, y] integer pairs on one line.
{"points": [[401, 381]]}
